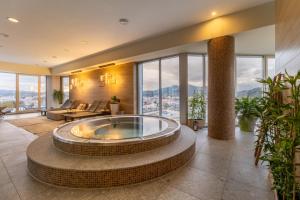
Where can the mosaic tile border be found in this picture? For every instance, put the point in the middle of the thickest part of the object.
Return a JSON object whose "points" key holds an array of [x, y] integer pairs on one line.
{"points": [[108, 178], [98, 149]]}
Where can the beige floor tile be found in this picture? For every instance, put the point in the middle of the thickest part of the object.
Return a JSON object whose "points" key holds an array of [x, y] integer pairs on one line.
{"points": [[8, 192], [197, 183], [249, 174], [4, 177], [210, 163], [238, 191], [174, 194]]}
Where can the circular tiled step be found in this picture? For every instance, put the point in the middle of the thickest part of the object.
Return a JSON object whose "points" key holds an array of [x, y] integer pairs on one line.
{"points": [[50, 165]]}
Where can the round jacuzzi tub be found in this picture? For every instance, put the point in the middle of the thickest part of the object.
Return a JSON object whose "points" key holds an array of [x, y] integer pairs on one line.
{"points": [[115, 135]]}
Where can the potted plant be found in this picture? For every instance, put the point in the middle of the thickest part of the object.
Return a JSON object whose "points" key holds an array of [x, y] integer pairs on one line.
{"points": [[247, 111], [58, 96], [197, 111], [114, 105]]}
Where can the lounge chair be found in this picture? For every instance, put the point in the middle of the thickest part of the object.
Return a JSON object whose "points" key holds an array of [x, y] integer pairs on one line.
{"points": [[99, 110], [3, 111], [57, 114]]}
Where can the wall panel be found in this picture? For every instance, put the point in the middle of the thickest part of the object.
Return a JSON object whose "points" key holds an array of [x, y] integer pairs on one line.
{"points": [[91, 88], [287, 36]]}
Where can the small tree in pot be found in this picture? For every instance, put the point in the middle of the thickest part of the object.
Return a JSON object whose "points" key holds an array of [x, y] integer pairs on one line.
{"points": [[247, 111], [114, 105], [197, 111]]}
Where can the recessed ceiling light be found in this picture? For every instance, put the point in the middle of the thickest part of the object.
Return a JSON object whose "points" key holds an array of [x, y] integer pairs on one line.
{"points": [[123, 21], [54, 57], [214, 13], [13, 20], [66, 50], [4, 35]]}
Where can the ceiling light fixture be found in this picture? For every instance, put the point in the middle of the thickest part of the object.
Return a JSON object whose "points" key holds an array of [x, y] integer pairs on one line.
{"points": [[214, 13], [13, 20], [75, 72], [107, 65], [54, 57], [84, 42], [123, 21]]}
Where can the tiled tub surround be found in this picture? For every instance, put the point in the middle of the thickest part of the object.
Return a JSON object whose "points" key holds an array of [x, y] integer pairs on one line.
{"points": [[64, 140], [53, 166]]}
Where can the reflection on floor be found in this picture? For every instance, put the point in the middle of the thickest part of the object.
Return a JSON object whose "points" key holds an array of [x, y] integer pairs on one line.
{"points": [[220, 170]]}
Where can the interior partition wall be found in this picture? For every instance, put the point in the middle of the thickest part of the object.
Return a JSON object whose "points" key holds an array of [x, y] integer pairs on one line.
{"points": [[22, 93]]}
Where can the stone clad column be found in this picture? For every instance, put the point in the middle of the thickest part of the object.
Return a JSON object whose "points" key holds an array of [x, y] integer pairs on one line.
{"points": [[221, 58]]}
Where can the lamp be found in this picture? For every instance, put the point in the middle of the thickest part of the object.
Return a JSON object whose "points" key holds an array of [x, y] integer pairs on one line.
{"points": [[75, 82], [106, 79]]}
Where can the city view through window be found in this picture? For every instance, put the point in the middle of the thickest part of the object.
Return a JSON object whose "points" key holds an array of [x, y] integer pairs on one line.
{"points": [[249, 69], [29, 97]]}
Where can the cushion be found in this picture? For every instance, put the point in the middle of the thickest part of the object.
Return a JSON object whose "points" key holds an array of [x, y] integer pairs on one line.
{"points": [[75, 104], [67, 104], [102, 107], [93, 107], [81, 106]]}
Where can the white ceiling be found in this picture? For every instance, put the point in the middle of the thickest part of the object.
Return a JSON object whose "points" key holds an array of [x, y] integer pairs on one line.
{"points": [[259, 41], [70, 29]]}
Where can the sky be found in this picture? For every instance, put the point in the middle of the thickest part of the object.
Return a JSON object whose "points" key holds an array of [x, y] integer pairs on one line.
{"points": [[27, 83], [249, 70]]}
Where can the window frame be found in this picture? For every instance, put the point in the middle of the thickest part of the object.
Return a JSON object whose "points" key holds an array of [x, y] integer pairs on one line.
{"points": [[17, 92]]}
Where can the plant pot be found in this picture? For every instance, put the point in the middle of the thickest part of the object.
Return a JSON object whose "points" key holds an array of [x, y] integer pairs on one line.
{"points": [[196, 124], [114, 108], [247, 124]]}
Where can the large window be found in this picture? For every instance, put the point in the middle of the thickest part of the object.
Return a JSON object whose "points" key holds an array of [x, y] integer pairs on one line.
{"points": [[270, 67], [43, 89], [150, 87], [21, 93], [159, 81], [8, 91], [65, 87], [28, 92], [160, 87], [170, 87], [197, 76], [249, 69]]}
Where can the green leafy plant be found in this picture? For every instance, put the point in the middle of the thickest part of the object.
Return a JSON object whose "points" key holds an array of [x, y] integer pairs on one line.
{"points": [[279, 132], [58, 95], [247, 106], [197, 106], [114, 100]]}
